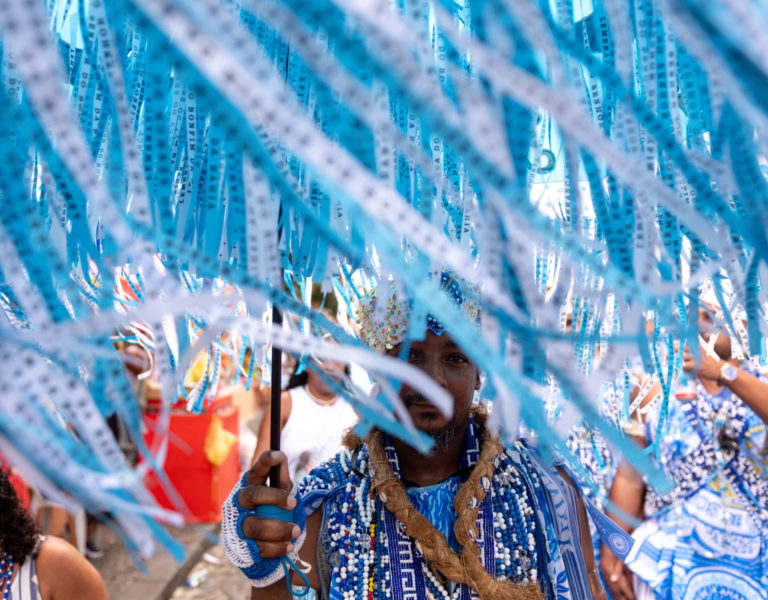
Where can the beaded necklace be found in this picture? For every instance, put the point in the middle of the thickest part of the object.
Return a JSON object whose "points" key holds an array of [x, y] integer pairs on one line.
{"points": [[723, 428], [429, 578], [320, 401], [6, 574], [713, 457], [360, 537]]}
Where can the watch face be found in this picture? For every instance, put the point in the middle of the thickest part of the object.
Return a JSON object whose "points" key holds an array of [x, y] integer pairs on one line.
{"points": [[728, 372]]}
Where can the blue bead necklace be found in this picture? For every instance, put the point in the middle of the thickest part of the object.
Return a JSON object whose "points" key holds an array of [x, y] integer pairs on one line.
{"points": [[514, 525], [358, 546], [6, 574]]}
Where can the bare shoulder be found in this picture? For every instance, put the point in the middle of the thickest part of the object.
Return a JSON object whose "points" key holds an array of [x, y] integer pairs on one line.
{"points": [[64, 574]]}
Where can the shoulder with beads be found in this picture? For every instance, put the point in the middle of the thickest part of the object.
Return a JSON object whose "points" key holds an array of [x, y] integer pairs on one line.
{"points": [[338, 469], [516, 452]]}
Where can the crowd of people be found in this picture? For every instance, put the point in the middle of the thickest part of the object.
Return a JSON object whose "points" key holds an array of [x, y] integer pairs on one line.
{"points": [[478, 519]]}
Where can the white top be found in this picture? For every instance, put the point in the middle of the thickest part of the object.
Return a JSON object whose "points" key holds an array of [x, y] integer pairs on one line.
{"points": [[313, 431], [24, 586]]}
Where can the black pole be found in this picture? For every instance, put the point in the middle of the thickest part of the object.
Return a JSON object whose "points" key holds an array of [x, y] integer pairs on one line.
{"points": [[274, 424], [275, 391], [274, 401]]}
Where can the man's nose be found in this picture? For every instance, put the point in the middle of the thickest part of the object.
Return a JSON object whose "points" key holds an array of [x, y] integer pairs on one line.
{"points": [[435, 369]]}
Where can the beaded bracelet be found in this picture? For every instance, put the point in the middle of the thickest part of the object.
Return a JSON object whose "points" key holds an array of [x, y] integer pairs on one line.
{"points": [[244, 553]]}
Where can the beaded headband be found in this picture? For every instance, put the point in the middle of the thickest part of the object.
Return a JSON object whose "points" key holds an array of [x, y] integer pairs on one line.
{"points": [[384, 329]]}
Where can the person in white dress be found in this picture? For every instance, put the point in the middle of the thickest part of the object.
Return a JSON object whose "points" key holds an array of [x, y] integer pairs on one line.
{"points": [[313, 421]]}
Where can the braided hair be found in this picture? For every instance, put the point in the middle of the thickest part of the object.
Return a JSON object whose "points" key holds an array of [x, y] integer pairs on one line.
{"points": [[18, 532]]}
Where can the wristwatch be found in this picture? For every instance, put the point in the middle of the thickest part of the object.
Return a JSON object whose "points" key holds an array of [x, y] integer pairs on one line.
{"points": [[728, 373]]}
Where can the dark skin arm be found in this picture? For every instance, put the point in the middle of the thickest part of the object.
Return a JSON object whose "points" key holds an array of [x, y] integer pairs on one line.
{"points": [[273, 537], [627, 491]]}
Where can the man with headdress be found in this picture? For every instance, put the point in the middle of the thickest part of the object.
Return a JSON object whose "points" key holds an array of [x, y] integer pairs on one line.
{"points": [[473, 519]]}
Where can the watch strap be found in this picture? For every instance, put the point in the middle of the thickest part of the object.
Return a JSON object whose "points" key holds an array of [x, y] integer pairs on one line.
{"points": [[728, 372]]}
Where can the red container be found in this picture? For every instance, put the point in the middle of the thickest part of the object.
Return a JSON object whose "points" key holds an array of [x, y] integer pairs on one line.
{"points": [[201, 485]]}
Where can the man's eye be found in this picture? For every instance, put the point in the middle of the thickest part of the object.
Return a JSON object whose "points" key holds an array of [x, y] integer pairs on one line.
{"points": [[413, 356], [457, 358]]}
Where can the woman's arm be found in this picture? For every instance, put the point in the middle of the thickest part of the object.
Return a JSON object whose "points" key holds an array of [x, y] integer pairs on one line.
{"points": [[262, 440], [751, 390], [64, 574], [627, 494]]}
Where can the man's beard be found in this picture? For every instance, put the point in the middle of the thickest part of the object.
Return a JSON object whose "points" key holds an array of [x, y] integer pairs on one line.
{"points": [[444, 436]]}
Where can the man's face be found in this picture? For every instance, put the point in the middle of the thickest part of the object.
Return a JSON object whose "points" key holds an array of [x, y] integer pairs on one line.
{"points": [[440, 358]]}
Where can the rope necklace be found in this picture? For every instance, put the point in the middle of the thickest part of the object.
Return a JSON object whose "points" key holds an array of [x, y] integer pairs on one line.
{"points": [[368, 555], [465, 568]]}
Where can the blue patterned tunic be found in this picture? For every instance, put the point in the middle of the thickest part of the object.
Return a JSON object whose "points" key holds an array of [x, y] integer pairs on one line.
{"points": [[436, 503], [707, 539], [364, 553]]}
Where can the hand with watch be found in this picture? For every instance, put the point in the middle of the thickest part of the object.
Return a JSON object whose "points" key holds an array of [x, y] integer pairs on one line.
{"points": [[749, 388], [711, 366], [728, 373]]}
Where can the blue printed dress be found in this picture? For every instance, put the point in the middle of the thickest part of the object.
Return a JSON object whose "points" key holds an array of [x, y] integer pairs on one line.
{"points": [[708, 539]]}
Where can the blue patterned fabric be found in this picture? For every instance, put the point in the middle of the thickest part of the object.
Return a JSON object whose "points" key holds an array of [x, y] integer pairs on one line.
{"points": [[592, 464], [558, 502], [711, 541], [436, 503], [345, 480]]}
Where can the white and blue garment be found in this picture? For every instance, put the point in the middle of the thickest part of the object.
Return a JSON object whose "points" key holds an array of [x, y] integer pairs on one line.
{"points": [[591, 464], [359, 537], [591, 451], [708, 538]]}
